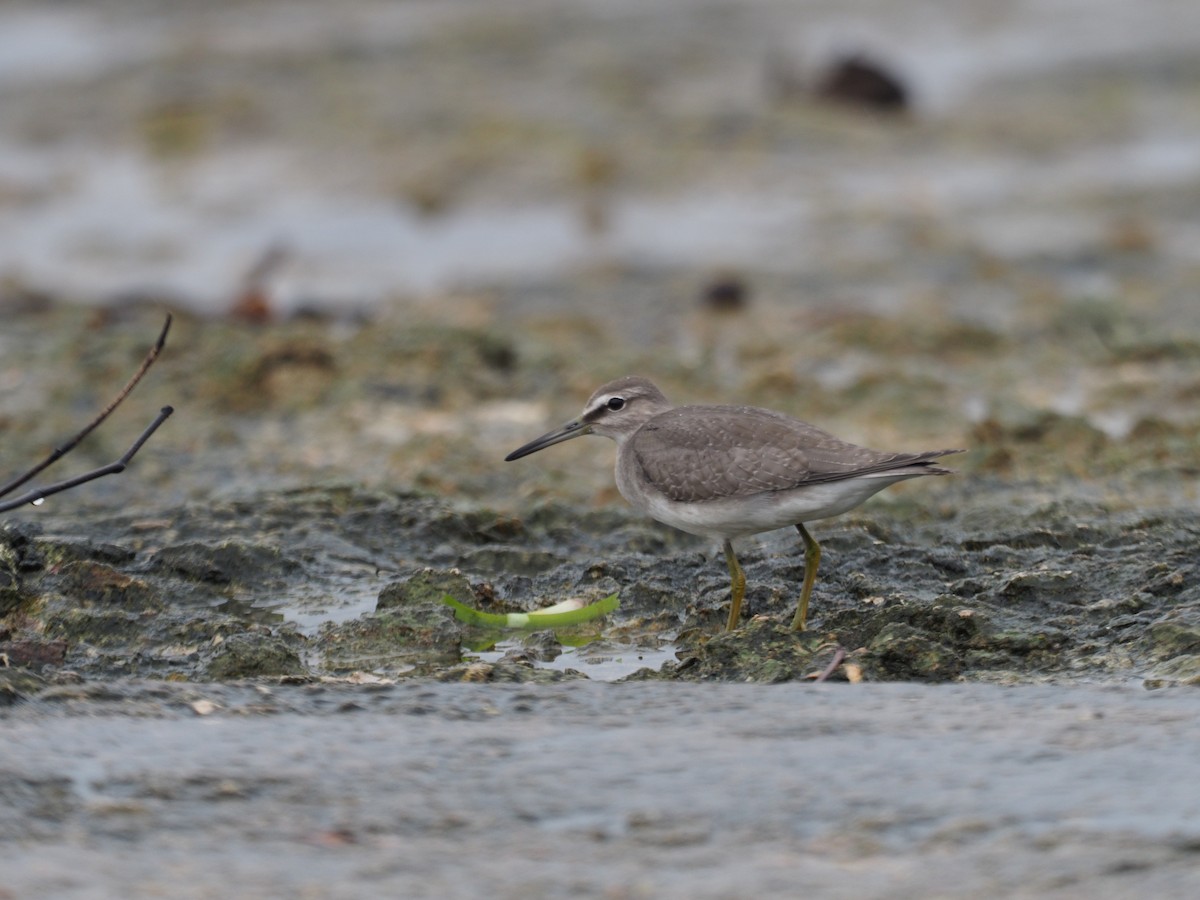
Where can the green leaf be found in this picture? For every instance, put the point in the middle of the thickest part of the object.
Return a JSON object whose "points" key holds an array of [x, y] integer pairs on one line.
{"points": [[551, 617]]}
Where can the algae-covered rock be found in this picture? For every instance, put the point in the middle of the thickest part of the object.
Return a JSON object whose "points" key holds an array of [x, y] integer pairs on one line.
{"points": [[421, 637], [254, 655], [18, 545], [473, 526], [18, 684], [511, 560], [86, 584], [761, 650], [901, 652], [1172, 638], [411, 626], [426, 588], [229, 562], [11, 595], [542, 646], [109, 628], [93, 604], [18, 556], [1183, 669], [58, 551], [508, 671], [1042, 584]]}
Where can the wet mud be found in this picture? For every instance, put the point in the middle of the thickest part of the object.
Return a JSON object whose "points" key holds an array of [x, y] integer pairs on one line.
{"points": [[976, 588]]}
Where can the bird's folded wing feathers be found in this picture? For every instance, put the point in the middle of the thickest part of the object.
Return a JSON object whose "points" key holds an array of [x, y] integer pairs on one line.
{"points": [[693, 454]]}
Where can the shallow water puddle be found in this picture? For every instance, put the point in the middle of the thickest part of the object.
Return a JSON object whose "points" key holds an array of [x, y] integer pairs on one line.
{"points": [[309, 607]]}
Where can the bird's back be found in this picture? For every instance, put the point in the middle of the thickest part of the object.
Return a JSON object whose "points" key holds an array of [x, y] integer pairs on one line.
{"points": [[701, 453]]}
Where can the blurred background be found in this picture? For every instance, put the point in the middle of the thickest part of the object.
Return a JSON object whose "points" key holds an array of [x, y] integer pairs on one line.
{"points": [[401, 238]]}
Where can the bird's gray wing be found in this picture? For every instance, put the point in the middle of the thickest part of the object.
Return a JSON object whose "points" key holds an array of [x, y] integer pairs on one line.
{"points": [[698, 453]]}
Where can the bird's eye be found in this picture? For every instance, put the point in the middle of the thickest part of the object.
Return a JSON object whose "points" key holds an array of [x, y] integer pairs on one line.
{"points": [[615, 403]]}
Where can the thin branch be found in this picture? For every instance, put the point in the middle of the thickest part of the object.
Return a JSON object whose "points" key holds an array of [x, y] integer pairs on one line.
{"points": [[113, 468], [63, 449]]}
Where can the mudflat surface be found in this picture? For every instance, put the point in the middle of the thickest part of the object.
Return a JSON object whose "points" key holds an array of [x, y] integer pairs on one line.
{"points": [[329, 582], [399, 241]]}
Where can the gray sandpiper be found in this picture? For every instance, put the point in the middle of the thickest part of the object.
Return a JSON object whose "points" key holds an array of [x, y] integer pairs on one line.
{"points": [[731, 471]]}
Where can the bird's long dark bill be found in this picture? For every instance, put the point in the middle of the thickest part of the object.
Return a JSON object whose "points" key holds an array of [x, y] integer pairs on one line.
{"points": [[568, 431]]}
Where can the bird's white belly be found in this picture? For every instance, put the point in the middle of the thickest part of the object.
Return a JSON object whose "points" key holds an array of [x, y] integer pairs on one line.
{"points": [[740, 516]]}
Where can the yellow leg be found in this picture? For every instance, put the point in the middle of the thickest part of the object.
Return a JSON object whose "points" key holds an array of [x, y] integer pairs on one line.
{"points": [[812, 559], [737, 587]]}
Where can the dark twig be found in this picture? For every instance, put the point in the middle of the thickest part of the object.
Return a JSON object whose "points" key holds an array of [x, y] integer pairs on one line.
{"points": [[111, 469], [63, 449]]}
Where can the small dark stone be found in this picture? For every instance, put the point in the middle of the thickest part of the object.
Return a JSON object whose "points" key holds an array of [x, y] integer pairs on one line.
{"points": [[725, 293], [497, 352], [858, 80], [543, 646], [253, 655]]}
